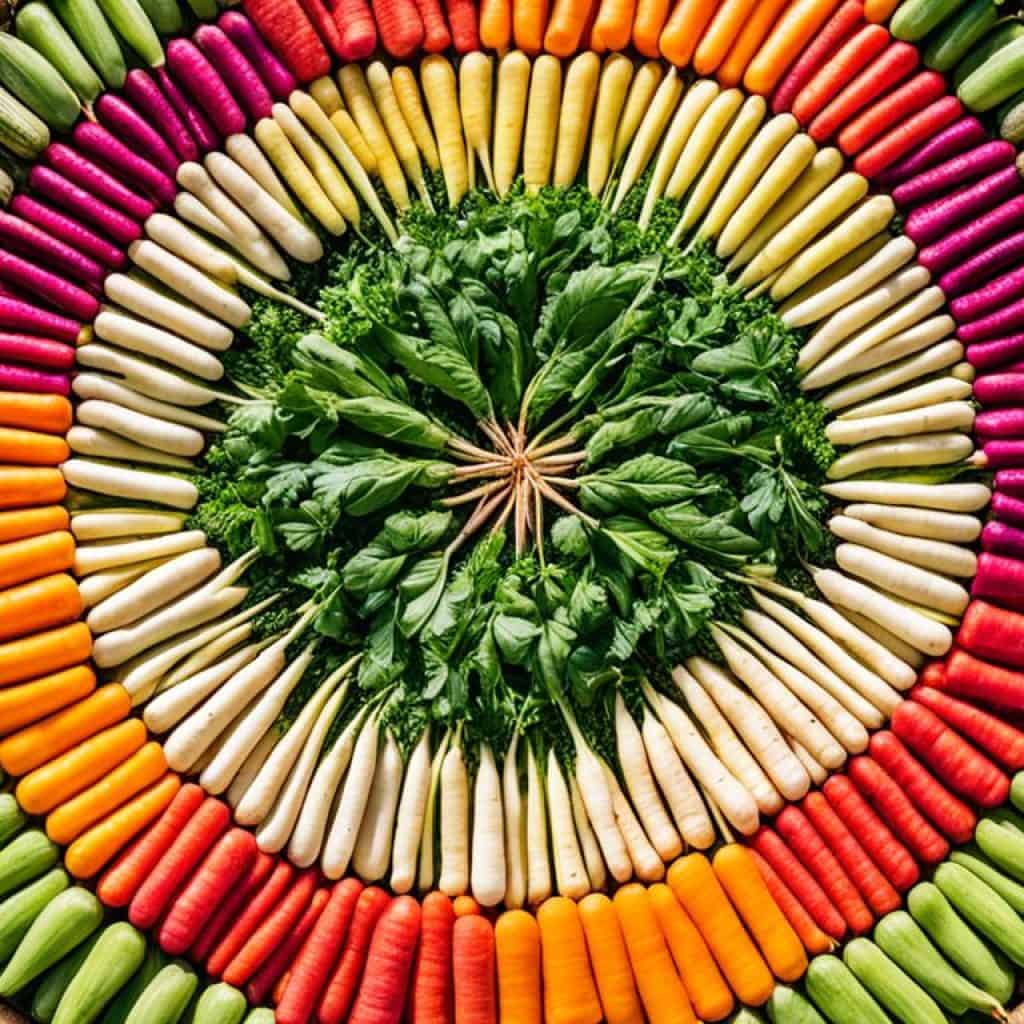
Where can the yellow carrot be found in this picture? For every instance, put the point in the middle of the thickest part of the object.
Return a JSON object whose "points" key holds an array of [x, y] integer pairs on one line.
{"points": [[509, 117], [398, 132], [642, 87], [541, 121], [574, 119], [407, 93], [476, 88], [353, 137], [439, 86], [616, 75], [325, 92]]}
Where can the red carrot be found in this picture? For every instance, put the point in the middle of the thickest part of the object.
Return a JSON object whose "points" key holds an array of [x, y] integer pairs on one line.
{"points": [[800, 881], [358, 29], [203, 829], [341, 989], [291, 36], [436, 37], [122, 879], [891, 856], [819, 52], [967, 133], [812, 937], [997, 738], [256, 910], [802, 838], [319, 954], [992, 632], [896, 106], [888, 68], [932, 674], [476, 999], [431, 994], [911, 132], [870, 882], [322, 20], [225, 914], [400, 26], [221, 870], [280, 961], [272, 931], [385, 981], [462, 21]]}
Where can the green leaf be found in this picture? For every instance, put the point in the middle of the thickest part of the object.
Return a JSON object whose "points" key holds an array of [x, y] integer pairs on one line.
{"points": [[515, 638], [421, 590], [373, 568], [360, 488], [410, 531], [641, 484], [645, 547], [553, 649], [395, 421], [717, 535]]}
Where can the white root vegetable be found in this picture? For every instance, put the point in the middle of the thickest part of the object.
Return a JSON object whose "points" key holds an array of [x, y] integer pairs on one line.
{"points": [[196, 181], [100, 585], [245, 152], [160, 435], [100, 387], [951, 527], [427, 872], [253, 763], [412, 806], [279, 824], [454, 878], [110, 523], [101, 444], [817, 772], [682, 796], [924, 420], [900, 648], [648, 866], [640, 784], [154, 590], [736, 758], [134, 484], [937, 555], [942, 497], [926, 395], [922, 633], [487, 858], [915, 340], [515, 835], [917, 450], [373, 845], [597, 872], [571, 878], [93, 557], [199, 660], [351, 804], [538, 866]]}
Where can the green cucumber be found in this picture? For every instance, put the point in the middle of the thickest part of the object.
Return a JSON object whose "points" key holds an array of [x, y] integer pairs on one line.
{"points": [[956, 39], [1003, 845], [165, 998], [983, 908], [972, 859], [38, 26], [37, 83], [1004, 32], [53, 983], [914, 19], [18, 911], [88, 27], [744, 1015], [68, 920], [1017, 786], [132, 24], [155, 961], [220, 1004], [263, 1015], [787, 1006], [12, 818], [899, 994], [996, 80], [164, 15], [25, 859], [111, 962], [21, 132], [839, 995], [900, 937], [962, 947], [204, 10]]}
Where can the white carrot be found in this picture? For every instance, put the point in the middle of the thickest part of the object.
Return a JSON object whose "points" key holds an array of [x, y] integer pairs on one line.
{"points": [[427, 874], [373, 846], [412, 806], [648, 866], [454, 877], [538, 867], [939, 556], [571, 877], [597, 871], [487, 860], [515, 852]]}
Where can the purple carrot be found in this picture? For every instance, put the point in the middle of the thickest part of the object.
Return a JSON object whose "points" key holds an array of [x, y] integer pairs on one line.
{"points": [[244, 34], [73, 232], [101, 144], [34, 243], [235, 69], [958, 245], [80, 204], [958, 170], [997, 294], [1003, 454], [42, 352], [958, 137], [22, 378], [1008, 509], [1010, 482], [1000, 539], [1004, 321], [127, 124], [84, 173], [29, 277], [198, 124], [995, 390], [1005, 424], [999, 579], [19, 315], [930, 222], [983, 265], [198, 77], [147, 98]]}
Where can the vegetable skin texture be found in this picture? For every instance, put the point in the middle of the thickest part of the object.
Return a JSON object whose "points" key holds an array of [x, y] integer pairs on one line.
{"points": [[474, 953], [235, 70], [570, 994], [244, 34], [288, 32]]}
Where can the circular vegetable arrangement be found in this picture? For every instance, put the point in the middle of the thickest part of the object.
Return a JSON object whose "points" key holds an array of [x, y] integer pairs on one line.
{"points": [[494, 479]]}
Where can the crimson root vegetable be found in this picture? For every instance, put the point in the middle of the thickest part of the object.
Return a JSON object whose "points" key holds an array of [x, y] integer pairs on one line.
{"points": [[145, 95], [244, 34], [958, 137]]}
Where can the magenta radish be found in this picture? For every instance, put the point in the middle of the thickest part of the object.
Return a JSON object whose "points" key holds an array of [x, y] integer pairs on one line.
{"points": [[1011, 482], [999, 423], [999, 389], [146, 97], [930, 222], [965, 167], [42, 352], [992, 325], [24, 317], [66, 297], [1000, 539], [244, 34], [958, 137], [235, 69], [997, 294], [1008, 509], [997, 353], [22, 378], [197, 123], [127, 124], [34, 243], [108, 149], [1003, 454], [999, 579], [983, 265], [79, 203], [198, 77], [72, 231], [958, 245], [84, 173]]}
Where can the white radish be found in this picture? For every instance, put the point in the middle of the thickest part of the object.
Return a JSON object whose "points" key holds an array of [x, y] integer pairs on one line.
{"points": [[924, 420], [942, 497], [196, 180], [412, 806], [427, 872], [253, 763], [889, 640], [515, 835], [101, 444], [108, 389], [597, 872], [915, 340], [936, 555], [927, 394], [487, 859], [164, 436], [201, 659], [648, 866], [134, 484], [454, 877], [245, 152], [571, 877], [816, 771], [951, 527], [94, 557], [106, 524], [538, 866], [373, 846], [100, 585], [917, 450]]}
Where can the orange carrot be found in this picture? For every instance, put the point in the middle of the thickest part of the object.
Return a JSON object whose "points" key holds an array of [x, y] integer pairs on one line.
{"points": [[647, 25], [59, 780], [39, 743], [517, 942], [610, 960], [50, 414], [813, 938], [613, 26], [711, 997], [683, 29], [19, 523], [529, 20], [697, 888], [118, 786], [29, 448], [22, 486], [28, 559], [569, 993], [430, 992], [794, 29], [748, 42], [22, 705], [496, 25], [465, 906], [89, 852], [568, 18], [780, 945], [41, 604], [36, 655], [726, 25], [879, 11]]}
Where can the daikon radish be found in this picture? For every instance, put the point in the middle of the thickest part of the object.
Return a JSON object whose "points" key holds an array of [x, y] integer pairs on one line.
{"points": [[412, 806], [454, 877], [952, 527], [515, 834], [373, 846], [538, 867], [487, 878], [570, 870], [597, 872]]}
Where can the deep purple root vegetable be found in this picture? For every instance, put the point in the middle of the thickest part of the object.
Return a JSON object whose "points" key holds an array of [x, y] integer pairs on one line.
{"points": [[965, 167], [233, 66], [84, 173], [958, 137], [1000, 539], [17, 314], [1008, 509], [106, 147], [128, 125], [999, 579], [928, 223], [198, 124], [72, 231], [21, 378], [147, 98], [83, 205], [1004, 454], [1000, 423], [958, 245], [35, 244], [999, 389], [1011, 482], [989, 298], [198, 77], [244, 34], [54, 290], [42, 352], [983, 265]]}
